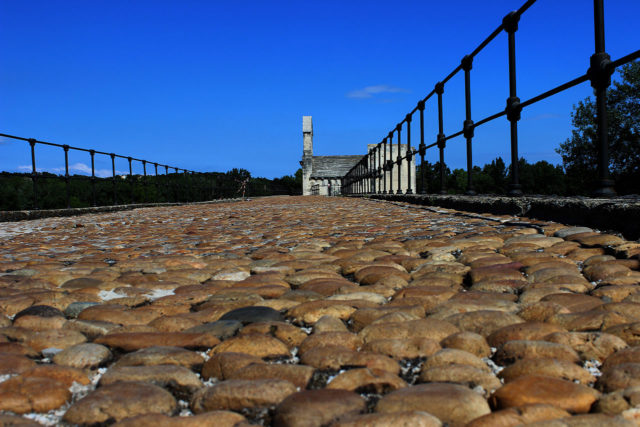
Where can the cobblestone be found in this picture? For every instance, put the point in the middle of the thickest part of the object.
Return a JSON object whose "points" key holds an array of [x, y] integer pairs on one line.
{"points": [[368, 306]]}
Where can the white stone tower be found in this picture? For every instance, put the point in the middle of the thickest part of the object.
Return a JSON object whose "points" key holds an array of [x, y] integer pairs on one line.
{"points": [[307, 154]]}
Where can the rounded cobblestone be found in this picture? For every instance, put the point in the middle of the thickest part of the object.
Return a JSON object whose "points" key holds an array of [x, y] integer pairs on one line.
{"points": [[368, 310]]}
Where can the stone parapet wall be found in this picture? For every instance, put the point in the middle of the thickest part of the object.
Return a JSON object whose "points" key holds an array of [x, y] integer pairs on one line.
{"points": [[618, 214]]}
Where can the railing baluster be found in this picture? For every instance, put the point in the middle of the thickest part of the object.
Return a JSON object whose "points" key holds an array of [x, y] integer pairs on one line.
{"points": [[144, 180], [513, 109], [441, 137], [113, 178], [93, 177], [167, 182], [66, 174], [390, 162], [34, 173], [384, 167], [422, 148], [369, 177], [176, 185], [467, 63], [409, 154], [399, 159], [133, 199], [600, 75], [157, 184], [378, 168]]}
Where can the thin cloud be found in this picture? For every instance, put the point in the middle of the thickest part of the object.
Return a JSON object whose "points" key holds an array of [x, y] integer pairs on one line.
{"points": [[76, 168], [371, 91]]}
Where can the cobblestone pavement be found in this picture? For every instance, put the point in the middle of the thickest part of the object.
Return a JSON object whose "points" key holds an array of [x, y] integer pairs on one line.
{"points": [[316, 311]]}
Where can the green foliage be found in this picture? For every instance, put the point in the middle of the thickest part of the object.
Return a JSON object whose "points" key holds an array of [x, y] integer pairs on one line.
{"points": [[579, 152], [17, 189], [493, 178]]}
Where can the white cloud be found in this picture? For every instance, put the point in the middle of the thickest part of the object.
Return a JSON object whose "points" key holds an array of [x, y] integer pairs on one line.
{"points": [[76, 168], [370, 91], [80, 167]]}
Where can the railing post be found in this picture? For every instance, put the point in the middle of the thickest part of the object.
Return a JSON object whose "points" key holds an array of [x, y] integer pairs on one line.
{"points": [[467, 63], [409, 154], [370, 165], [513, 109], [422, 148], [365, 174], [184, 186], [133, 200], [113, 178], [157, 184], [93, 177], [144, 179], [399, 159], [176, 184], [379, 168], [441, 137], [600, 76], [65, 147], [372, 169], [167, 179], [384, 167], [390, 162], [34, 173], [190, 183]]}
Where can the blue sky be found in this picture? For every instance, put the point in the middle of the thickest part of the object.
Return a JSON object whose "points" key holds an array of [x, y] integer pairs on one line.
{"points": [[212, 85]]}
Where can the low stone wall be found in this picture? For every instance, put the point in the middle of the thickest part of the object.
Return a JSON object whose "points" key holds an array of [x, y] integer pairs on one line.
{"points": [[10, 216], [621, 215]]}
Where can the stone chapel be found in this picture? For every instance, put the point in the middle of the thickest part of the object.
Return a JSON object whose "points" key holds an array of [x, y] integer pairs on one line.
{"points": [[322, 175]]}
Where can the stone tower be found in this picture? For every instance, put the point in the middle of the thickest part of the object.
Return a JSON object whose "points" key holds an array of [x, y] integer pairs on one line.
{"points": [[307, 154]]}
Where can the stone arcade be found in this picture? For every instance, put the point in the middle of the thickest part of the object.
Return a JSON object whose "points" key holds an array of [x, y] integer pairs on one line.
{"points": [[322, 175]]}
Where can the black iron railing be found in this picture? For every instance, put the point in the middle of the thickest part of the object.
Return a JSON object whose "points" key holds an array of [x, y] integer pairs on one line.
{"points": [[175, 185], [315, 189], [375, 172]]}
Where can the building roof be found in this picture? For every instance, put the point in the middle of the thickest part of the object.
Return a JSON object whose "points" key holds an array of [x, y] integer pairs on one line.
{"points": [[333, 166]]}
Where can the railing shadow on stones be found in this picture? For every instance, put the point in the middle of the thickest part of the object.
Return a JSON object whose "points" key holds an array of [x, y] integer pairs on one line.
{"points": [[371, 174], [176, 185]]}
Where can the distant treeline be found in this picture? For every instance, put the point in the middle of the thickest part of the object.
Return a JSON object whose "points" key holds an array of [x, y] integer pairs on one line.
{"points": [[494, 178], [536, 178], [17, 189]]}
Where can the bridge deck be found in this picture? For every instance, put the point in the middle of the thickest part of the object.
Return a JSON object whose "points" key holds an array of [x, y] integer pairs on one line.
{"points": [[316, 308]]}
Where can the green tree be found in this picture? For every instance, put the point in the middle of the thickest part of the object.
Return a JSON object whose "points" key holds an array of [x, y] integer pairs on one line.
{"points": [[579, 152], [541, 178], [497, 171]]}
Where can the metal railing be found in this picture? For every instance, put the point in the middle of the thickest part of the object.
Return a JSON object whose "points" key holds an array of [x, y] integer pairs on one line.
{"points": [[376, 166], [175, 185], [315, 189]]}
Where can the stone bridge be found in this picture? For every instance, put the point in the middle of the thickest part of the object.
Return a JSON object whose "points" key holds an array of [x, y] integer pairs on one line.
{"points": [[316, 311]]}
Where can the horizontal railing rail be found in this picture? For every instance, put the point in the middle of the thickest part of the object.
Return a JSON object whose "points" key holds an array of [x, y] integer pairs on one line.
{"points": [[375, 172], [175, 185]]}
